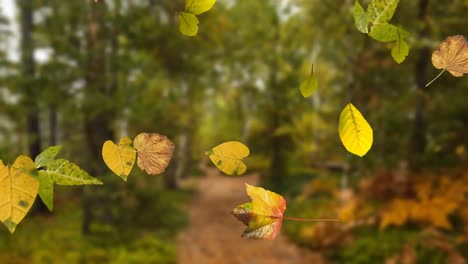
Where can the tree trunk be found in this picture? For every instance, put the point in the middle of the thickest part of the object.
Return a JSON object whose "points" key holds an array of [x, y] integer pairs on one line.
{"points": [[53, 126], [169, 176], [30, 92], [418, 137], [97, 107], [28, 73], [278, 143]]}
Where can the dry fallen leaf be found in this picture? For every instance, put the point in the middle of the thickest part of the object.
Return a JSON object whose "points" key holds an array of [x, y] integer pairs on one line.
{"points": [[154, 152], [452, 56]]}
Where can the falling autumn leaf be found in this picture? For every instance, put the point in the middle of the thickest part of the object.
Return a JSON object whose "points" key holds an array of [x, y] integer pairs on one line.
{"points": [[401, 50], [355, 133], [263, 216], [120, 158], [18, 189], [377, 17], [188, 24], [452, 56], [58, 171], [310, 85], [154, 152], [188, 21], [228, 157], [198, 7]]}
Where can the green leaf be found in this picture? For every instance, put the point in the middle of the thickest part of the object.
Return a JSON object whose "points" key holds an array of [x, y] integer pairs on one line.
{"points": [[360, 18], [198, 7], [60, 171], [309, 86], [355, 133], [381, 11], [188, 24], [401, 50], [384, 32], [63, 172], [48, 155], [46, 189]]}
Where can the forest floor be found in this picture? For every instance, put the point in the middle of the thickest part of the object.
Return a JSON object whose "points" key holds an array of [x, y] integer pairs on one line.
{"points": [[213, 235]]}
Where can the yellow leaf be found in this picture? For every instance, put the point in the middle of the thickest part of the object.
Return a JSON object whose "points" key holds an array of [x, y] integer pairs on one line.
{"points": [[18, 190], [355, 133], [197, 7], [452, 56], [228, 157], [188, 24], [154, 152], [120, 158], [266, 203]]}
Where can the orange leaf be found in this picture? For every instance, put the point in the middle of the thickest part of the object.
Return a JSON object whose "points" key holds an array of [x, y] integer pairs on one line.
{"points": [[263, 216]]}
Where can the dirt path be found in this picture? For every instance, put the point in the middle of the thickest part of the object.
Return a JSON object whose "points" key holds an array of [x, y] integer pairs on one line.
{"points": [[213, 235]]}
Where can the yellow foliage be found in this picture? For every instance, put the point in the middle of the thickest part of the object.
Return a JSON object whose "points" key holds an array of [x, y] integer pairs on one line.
{"points": [[432, 204], [321, 186], [347, 212]]}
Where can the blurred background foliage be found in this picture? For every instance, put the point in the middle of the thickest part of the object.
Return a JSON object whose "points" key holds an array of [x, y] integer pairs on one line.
{"points": [[87, 71]]}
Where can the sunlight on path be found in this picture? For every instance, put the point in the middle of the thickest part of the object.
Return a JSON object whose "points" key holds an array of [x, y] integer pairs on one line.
{"points": [[213, 235]]}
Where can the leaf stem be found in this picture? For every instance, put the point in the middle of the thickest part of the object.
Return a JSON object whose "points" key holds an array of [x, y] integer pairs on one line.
{"points": [[311, 220], [437, 77]]}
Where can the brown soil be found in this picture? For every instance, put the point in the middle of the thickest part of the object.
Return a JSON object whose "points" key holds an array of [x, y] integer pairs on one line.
{"points": [[213, 235]]}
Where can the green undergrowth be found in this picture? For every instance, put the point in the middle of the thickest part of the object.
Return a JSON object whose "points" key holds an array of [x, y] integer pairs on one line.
{"points": [[142, 228]]}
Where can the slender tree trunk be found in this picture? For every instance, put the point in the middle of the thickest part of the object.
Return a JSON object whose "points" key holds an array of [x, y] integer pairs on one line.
{"points": [[30, 91], [53, 126], [418, 136], [278, 143], [97, 106], [169, 176], [28, 73]]}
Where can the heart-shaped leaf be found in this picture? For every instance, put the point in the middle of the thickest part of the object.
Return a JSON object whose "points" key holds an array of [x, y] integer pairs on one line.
{"points": [[120, 158], [18, 190], [228, 157], [452, 56]]}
